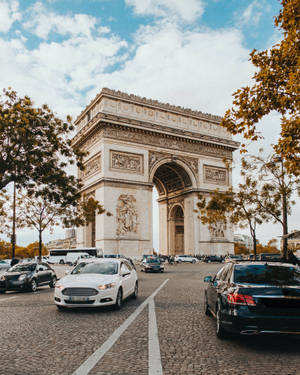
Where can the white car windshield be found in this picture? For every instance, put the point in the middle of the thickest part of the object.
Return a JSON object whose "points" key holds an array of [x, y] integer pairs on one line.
{"points": [[105, 268]]}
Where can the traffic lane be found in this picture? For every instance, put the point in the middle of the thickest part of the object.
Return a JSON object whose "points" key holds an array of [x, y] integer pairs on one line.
{"points": [[189, 344], [47, 341]]}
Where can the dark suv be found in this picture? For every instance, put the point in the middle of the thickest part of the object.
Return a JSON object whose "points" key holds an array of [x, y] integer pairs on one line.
{"points": [[254, 298], [27, 276]]}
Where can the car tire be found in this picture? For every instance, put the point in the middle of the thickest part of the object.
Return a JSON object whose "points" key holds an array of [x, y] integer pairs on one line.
{"points": [[220, 331], [61, 308], [136, 291], [61, 261], [33, 285], [119, 300], [162, 271], [206, 308], [193, 261], [53, 282]]}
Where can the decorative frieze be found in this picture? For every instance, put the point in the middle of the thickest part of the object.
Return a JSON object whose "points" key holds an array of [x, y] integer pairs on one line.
{"points": [[91, 167], [127, 162], [215, 175], [127, 215]]}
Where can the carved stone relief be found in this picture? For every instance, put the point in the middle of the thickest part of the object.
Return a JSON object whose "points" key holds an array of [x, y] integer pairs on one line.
{"points": [[217, 230], [91, 167], [127, 162], [215, 175], [127, 215]]}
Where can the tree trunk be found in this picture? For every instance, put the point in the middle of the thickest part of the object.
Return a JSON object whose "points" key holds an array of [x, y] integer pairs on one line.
{"points": [[284, 226], [40, 245], [254, 245], [13, 236]]}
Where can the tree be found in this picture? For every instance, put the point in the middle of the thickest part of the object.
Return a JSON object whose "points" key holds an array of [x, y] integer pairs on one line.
{"points": [[276, 88], [237, 208], [39, 214], [35, 150], [276, 188]]}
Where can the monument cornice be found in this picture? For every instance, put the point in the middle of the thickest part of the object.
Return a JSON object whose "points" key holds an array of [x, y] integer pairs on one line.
{"points": [[155, 104], [102, 120]]}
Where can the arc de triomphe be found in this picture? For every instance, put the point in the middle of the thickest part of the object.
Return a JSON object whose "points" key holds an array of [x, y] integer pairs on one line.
{"points": [[135, 143]]}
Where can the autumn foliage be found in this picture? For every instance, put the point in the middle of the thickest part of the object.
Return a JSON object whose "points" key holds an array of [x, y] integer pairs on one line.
{"points": [[276, 88]]}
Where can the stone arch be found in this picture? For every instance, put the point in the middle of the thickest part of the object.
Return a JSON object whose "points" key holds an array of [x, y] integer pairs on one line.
{"points": [[171, 174]]}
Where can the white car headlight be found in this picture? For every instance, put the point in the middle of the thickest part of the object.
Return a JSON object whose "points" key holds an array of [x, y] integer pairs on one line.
{"points": [[22, 277], [106, 286]]}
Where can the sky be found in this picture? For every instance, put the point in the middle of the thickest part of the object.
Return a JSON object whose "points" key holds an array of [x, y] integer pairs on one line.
{"points": [[192, 53]]}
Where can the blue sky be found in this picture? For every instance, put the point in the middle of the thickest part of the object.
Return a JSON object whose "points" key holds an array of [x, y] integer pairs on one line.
{"points": [[193, 53]]}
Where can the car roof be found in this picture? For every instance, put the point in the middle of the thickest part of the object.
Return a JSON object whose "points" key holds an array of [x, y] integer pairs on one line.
{"points": [[102, 260], [264, 262]]}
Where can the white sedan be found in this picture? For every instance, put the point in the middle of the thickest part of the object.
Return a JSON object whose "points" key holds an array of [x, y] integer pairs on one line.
{"points": [[97, 282], [185, 258]]}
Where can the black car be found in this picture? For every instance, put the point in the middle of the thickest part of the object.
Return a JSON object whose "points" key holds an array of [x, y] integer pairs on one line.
{"points": [[152, 264], [251, 298], [213, 258], [27, 276]]}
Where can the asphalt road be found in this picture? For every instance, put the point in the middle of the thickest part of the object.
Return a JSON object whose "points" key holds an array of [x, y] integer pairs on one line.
{"points": [[166, 333]]}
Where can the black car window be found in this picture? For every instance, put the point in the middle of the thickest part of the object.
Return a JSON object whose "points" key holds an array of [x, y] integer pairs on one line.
{"points": [[267, 274], [152, 260], [23, 268]]}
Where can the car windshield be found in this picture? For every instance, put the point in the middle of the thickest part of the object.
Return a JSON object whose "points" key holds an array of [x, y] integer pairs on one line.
{"points": [[105, 268], [149, 260], [267, 274], [22, 268]]}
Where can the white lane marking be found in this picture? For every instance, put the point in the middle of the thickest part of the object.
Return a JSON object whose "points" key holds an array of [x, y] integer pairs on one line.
{"points": [[91, 362], [154, 360], [5, 299]]}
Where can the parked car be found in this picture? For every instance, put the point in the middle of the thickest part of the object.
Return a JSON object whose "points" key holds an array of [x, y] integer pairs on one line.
{"points": [[269, 256], [27, 276], [4, 265], [233, 258], [250, 298], [152, 264], [97, 282], [185, 258], [213, 258]]}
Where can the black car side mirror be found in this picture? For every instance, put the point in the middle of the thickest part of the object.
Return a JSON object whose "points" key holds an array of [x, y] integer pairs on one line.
{"points": [[207, 279]]}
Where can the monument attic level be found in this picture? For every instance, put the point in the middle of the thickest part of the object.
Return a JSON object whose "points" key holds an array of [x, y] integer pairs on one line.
{"points": [[135, 143]]}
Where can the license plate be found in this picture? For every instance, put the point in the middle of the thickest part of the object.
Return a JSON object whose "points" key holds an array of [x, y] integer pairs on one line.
{"points": [[78, 299]]}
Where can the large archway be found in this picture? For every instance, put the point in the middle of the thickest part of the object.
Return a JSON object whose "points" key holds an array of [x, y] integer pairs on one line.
{"points": [[173, 181]]}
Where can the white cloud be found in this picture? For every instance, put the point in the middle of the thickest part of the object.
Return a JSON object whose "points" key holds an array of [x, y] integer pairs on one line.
{"points": [[186, 10], [8, 14], [253, 13], [42, 22], [198, 69]]}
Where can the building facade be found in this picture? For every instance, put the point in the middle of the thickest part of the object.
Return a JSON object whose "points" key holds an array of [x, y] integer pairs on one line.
{"points": [[136, 143]]}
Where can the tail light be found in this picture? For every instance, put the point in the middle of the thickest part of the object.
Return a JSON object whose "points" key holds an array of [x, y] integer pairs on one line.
{"points": [[240, 299]]}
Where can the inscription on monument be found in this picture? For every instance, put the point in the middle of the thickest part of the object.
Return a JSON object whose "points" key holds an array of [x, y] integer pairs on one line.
{"points": [[127, 216], [91, 167], [127, 162], [215, 175]]}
